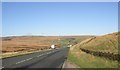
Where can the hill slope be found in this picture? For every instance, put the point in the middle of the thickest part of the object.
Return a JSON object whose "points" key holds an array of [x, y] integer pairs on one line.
{"points": [[105, 43]]}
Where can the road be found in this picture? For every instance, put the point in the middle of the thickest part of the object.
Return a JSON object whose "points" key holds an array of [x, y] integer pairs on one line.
{"points": [[48, 59]]}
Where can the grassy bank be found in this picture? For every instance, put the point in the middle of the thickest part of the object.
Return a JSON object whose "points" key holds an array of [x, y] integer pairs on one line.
{"points": [[84, 60], [14, 54], [105, 43]]}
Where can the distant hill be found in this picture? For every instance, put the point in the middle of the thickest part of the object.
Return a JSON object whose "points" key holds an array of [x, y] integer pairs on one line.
{"points": [[29, 43], [105, 43]]}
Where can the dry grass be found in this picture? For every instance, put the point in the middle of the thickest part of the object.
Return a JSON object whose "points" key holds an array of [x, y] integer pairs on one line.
{"points": [[105, 43], [29, 43], [84, 60]]}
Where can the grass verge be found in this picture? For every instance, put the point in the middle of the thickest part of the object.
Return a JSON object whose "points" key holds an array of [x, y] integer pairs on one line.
{"points": [[14, 54], [84, 60]]}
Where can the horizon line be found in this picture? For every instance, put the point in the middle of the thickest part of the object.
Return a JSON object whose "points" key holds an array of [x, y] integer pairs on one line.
{"points": [[62, 35]]}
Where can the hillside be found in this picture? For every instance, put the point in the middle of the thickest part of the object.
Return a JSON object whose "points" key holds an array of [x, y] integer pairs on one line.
{"points": [[106, 43], [25, 43], [29, 43]]}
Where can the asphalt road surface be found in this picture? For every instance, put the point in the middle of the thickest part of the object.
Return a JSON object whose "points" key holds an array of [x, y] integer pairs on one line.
{"points": [[48, 59]]}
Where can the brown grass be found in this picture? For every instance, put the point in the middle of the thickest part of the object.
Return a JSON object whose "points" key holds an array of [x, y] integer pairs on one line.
{"points": [[105, 43], [29, 43]]}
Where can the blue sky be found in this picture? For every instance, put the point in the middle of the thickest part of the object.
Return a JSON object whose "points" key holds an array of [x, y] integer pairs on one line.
{"points": [[59, 18]]}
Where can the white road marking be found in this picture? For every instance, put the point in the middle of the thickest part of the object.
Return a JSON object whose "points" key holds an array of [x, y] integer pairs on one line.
{"points": [[29, 59], [39, 55], [49, 52], [24, 60], [32, 58], [20, 61]]}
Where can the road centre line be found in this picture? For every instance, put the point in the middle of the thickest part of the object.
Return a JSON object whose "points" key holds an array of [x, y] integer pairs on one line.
{"points": [[39, 55], [48, 52], [29, 59], [24, 60], [32, 58], [20, 61]]}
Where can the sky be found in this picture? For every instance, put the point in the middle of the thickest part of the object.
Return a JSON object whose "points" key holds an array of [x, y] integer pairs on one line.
{"points": [[59, 18], [60, 0]]}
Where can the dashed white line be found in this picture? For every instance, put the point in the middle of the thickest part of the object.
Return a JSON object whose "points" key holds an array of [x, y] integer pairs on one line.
{"points": [[24, 60], [29, 59], [32, 58], [47, 53], [39, 55], [20, 61]]}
